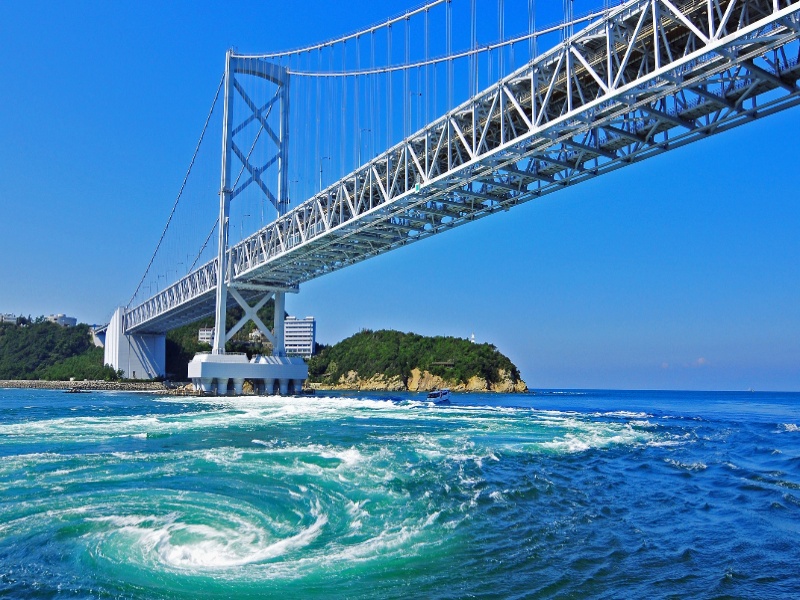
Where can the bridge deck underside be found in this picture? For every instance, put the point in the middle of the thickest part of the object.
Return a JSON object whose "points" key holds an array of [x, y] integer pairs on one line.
{"points": [[643, 81]]}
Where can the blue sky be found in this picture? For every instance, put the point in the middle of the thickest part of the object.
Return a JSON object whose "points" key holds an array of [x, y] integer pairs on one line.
{"points": [[681, 272]]}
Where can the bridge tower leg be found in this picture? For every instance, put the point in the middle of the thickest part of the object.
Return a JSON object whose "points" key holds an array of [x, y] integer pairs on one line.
{"points": [[218, 366], [278, 346], [138, 356]]}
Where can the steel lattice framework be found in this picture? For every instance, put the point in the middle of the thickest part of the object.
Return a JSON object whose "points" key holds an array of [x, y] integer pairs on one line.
{"points": [[651, 76]]}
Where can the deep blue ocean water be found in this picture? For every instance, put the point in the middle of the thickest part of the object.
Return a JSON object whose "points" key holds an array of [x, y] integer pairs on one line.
{"points": [[596, 494]]}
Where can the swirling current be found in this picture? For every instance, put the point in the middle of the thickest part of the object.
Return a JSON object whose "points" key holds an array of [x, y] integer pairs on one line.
{"points": [[572, 494]]}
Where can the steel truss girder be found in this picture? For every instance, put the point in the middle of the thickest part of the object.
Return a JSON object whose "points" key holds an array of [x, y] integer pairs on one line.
{"points": [[651, 76], [190, 298]]}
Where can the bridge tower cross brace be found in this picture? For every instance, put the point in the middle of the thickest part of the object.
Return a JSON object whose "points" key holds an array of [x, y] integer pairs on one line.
{"points": [[280, 77], [213, 372]]}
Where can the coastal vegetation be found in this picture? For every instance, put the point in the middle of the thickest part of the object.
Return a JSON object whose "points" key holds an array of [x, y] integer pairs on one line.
{"points": [[43, 350], [408, 358]]}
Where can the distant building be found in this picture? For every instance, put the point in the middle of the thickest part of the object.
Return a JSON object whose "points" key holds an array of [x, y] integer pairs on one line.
{"points": [[63, 320], [299, 336], [256, 336], [8, 318], [206, 335]]}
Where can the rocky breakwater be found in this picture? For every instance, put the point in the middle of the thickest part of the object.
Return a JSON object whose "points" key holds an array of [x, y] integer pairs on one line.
{"points": [[119, 386], [422, 381]]}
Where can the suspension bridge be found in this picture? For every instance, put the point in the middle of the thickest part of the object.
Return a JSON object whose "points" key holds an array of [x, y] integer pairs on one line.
{"points": [[426, 122]]}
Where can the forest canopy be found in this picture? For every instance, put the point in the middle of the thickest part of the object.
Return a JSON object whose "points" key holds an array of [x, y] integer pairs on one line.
{"points": [[44, 350], [393, 353]]}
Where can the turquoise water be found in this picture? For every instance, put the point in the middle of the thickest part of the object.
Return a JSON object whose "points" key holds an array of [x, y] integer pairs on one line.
{"points": [[559, 494]]}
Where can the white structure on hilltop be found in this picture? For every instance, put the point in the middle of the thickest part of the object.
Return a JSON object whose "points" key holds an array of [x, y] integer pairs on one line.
{"points": [[205, 335], [8, 318], [300, 336], [63, 320]]}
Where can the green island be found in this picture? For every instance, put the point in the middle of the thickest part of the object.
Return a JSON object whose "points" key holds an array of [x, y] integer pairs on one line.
{"points": [[395, 361], [369, 360]]}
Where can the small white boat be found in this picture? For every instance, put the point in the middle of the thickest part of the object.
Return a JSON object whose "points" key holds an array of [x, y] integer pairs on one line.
{"points": [[440, 396]]}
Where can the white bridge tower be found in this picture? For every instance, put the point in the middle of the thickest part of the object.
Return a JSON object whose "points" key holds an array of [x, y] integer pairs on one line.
{"points": [[216, 371]]}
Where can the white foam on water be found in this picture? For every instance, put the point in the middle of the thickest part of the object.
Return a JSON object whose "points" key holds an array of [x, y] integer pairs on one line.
{"points": [[790, 427], [432, 518], [357, 513], [695, 466], [270, 444], [388, 542], [596, 436], [347, 457], [625, 414], [85, 429], [665, 443], [227, 540], [229, 411], [350, 456], [213, 548]]}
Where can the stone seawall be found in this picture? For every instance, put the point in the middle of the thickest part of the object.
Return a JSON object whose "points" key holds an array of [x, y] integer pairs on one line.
{"points": [[121, 386]]}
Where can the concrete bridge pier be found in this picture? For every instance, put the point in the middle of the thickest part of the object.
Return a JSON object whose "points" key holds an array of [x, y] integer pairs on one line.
{"points": [[263, 371], [137, 355], [205, 385]]}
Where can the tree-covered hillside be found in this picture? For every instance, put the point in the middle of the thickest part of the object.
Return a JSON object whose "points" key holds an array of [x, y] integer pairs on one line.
{"points": [[393, 353], [45, 350]]}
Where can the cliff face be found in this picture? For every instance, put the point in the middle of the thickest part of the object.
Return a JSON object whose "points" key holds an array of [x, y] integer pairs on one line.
{"points": [[422, 381]]}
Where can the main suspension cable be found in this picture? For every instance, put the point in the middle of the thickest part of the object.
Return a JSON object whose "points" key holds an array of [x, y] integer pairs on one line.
{"points": [[449, 57], [387, 23], [180, 192]]}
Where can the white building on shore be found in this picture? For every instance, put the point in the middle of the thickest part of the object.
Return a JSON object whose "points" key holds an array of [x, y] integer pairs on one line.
{"points": [[205, 335], [8, 318], [300, 336], [63, 320]]}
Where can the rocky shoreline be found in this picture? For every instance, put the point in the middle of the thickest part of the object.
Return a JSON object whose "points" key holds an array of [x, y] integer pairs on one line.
{"points": [[420, 381]]}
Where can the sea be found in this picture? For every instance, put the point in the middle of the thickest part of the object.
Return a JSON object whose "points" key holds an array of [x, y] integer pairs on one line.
{"points": [[555, 494]]}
